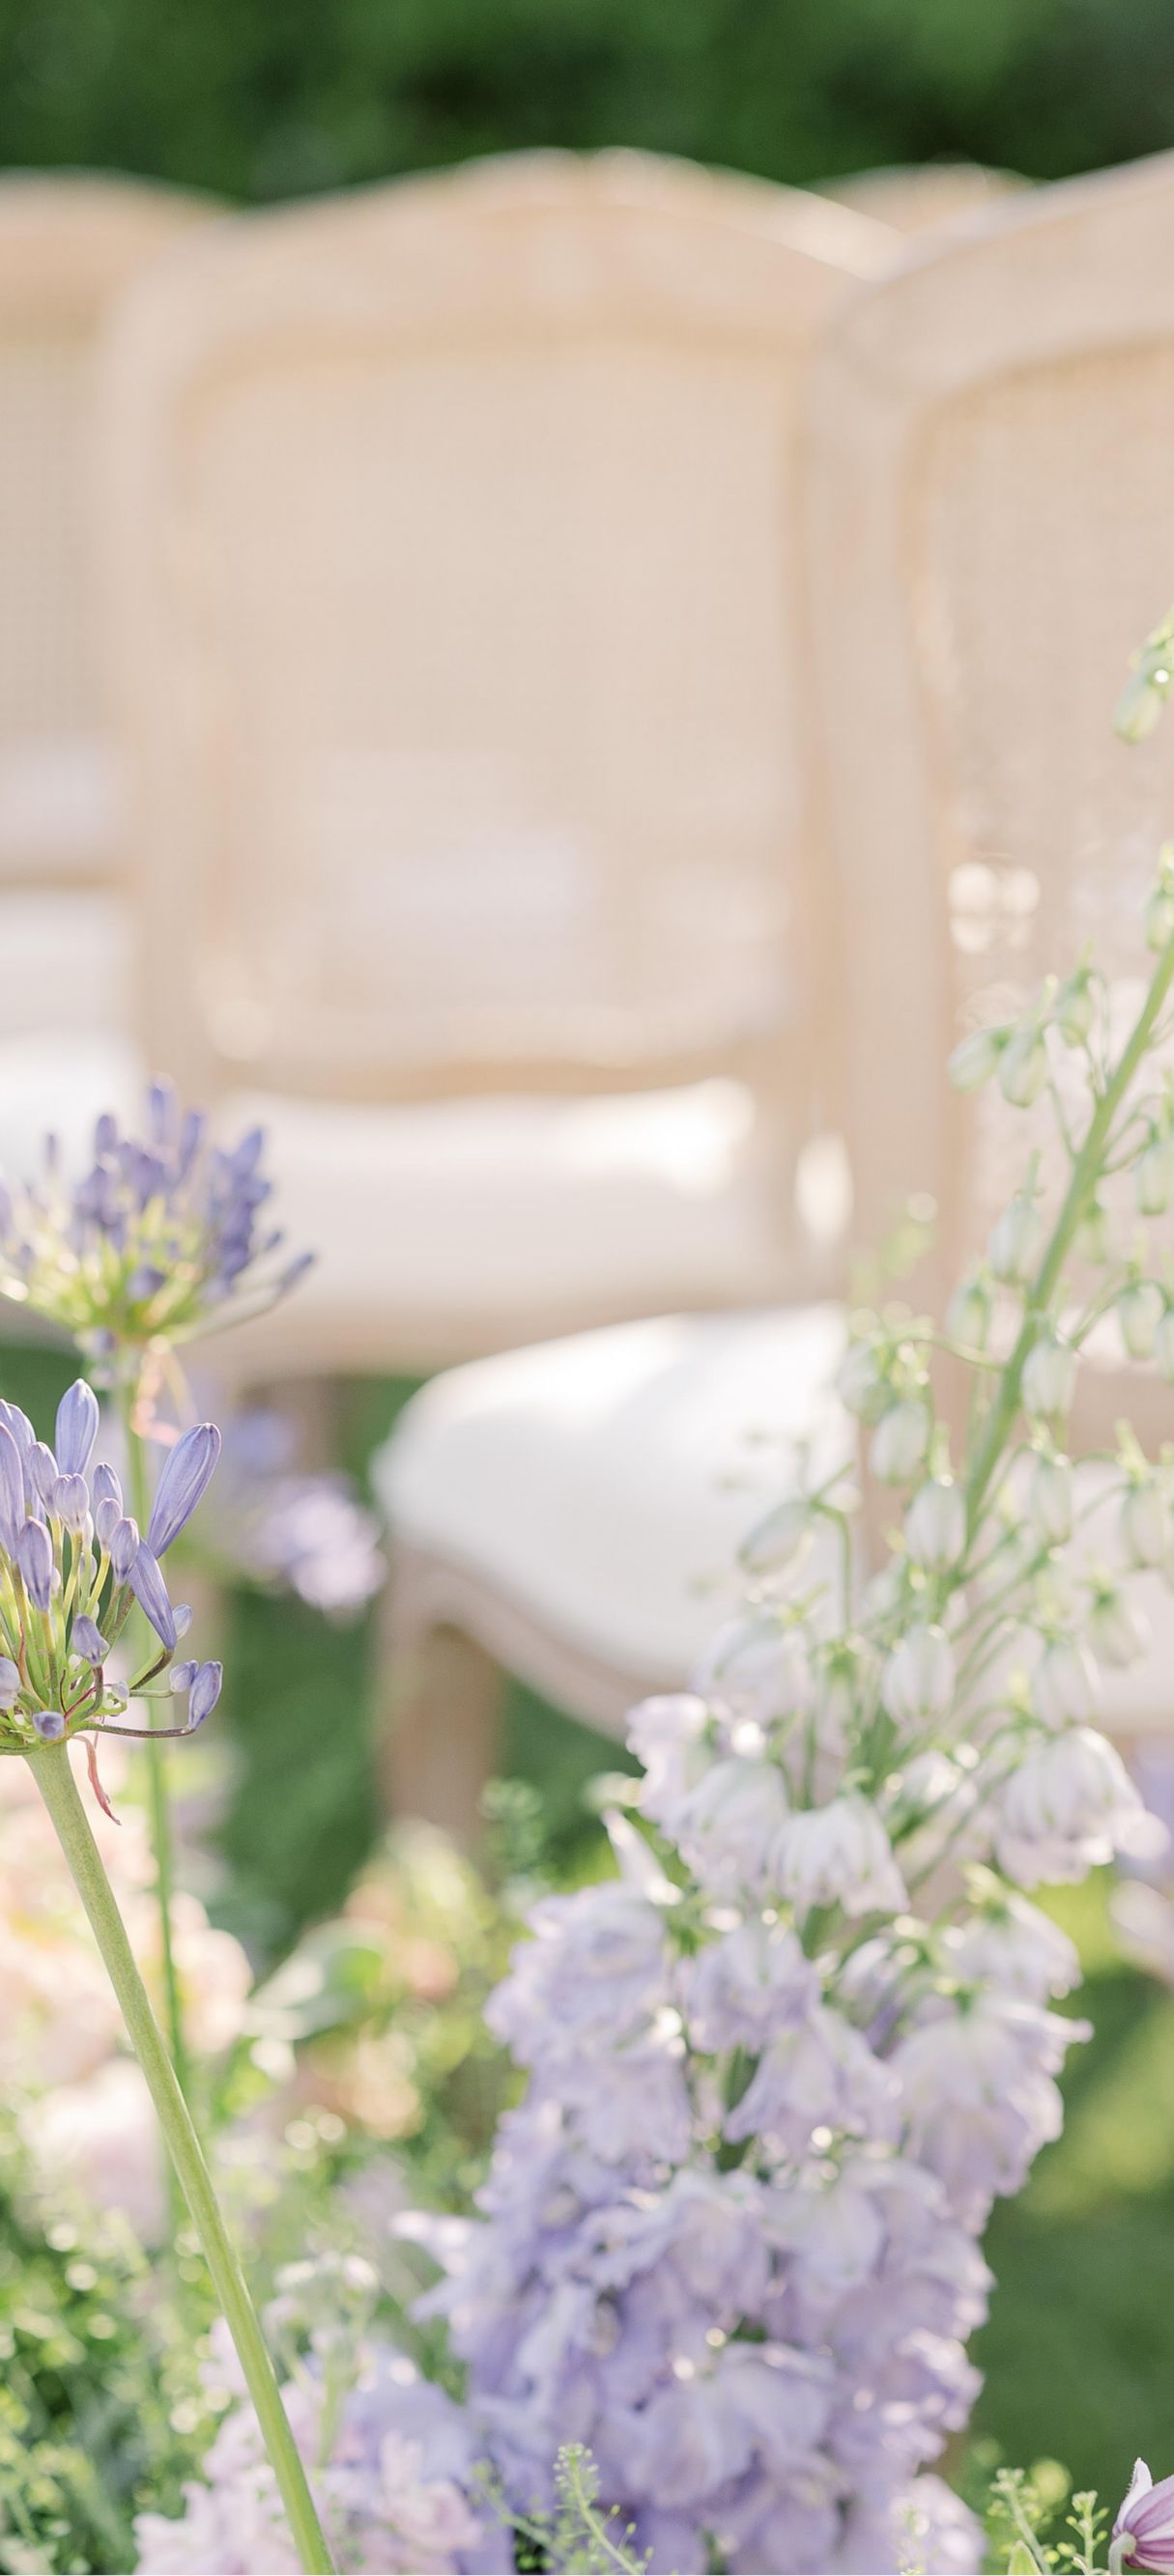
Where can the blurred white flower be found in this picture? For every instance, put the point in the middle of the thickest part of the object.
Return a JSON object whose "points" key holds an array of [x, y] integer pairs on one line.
{"points": [[838, 1855]]}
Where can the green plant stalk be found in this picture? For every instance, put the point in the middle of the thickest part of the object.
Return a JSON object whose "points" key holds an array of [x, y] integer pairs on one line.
{"points": [[159, 1808], [1085, 1174], [54, 1778]]}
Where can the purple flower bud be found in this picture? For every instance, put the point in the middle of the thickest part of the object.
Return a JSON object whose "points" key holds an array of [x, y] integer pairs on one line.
{"points": [[123, 1544], [34, 1556], [50, 1724], [41, 1472], [181, 1676], [150, 1591], [145, 1281], [183, 1618], [88, 1641], [191, 1137], [19, 1425], [295, 1270], [105, 1135], [11, 1491], [77, 1428], [9, 1682], [186, 1473], [245, 1157], [161, 1106], [106, 1500], [70, 1502], [205, 1692]]}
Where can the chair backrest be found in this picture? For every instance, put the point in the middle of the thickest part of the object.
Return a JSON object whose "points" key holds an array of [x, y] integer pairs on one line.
{"points": [[454, 548], [913, 198], [991, 531], [68, 247]]}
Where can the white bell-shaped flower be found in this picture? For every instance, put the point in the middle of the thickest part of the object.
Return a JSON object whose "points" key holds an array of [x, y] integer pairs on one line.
{"points": [[919, 1677], [1145, 1524], [935, 1524], [1050, 1500], [1023, 1067], [1117, 1630], [839, 1855], [1140, 1309], [1049, 1377], [1065, 1686], [1015, 1240], [900, 1442]]}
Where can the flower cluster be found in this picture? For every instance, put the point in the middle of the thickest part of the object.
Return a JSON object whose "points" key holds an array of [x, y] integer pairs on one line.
{"points": [[781, 2068], [73, 1563], [396, 2480], [163, 1237]]}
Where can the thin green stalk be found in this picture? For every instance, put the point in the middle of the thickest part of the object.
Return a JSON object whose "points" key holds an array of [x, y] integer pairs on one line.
{"points": [[1085, 1174], [54, 1778], [159, 1808]]}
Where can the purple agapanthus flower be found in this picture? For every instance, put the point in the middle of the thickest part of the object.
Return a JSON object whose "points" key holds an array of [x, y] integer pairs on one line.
{"points": [[164, 1236], [72, 1567]]}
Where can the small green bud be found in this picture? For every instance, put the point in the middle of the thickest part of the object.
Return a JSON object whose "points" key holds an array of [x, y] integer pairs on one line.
{"points": [[1023, 1067], [976, 1058]]}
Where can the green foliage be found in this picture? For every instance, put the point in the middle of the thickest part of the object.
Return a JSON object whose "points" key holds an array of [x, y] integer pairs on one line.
{"points": [[575, 2538], [100, 2402], [259, 102]]}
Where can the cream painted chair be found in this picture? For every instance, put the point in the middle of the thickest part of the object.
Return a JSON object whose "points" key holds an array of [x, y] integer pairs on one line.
{"points": [[69, 247], [917, 197], [453, 556], [991, 497]]}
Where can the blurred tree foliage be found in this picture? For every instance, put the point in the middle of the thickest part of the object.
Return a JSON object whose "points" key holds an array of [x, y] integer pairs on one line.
{"points": [[260, 99]]}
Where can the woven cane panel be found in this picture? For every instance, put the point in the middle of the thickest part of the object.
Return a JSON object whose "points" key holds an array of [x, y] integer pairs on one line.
{"points": [[492, 648], [1045, 553]]}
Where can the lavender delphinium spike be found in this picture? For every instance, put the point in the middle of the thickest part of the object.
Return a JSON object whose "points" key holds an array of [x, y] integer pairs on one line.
{"points": [[156, 1242]]}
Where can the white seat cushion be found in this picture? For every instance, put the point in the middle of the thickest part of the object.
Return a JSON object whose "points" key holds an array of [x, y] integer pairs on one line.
{"points": [[604, 1483], [465, 1225]]}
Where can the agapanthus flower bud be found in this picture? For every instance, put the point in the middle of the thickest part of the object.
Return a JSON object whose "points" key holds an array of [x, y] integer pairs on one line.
{"points": [[968, 1315], [1145, 1524], [1015, 1240], [9, 1681], [181, 1676], [1143, 2532], [187, 1471], [1023, 1067], [1049, 1500], [1140, 1309], [919, 1677], [11, 1490], [1049, 1377], [123, 1544], [150, 1591], [1065, 1685], [183, 1618], [77, 1428], [41, 1473], [87, 1640], [19, 1425], [935, 1524], [49, 1723], [977, 1057], [205, 1692], [1153, 1177], [34, 1557], [900, 1442], [69, 1502]]}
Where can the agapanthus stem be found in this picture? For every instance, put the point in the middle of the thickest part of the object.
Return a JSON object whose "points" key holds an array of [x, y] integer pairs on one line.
{"points": [[54, 1778], [1086, 1172], [162, 1841]]}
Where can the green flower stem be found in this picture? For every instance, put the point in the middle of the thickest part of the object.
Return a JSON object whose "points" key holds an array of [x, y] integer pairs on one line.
{"points": [[54, 1778], [1086, 1172], [162, 1839]]}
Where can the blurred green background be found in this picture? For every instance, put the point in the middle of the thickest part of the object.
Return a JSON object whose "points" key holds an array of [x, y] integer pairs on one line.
{"points": [[265, 99], [272, 98]]}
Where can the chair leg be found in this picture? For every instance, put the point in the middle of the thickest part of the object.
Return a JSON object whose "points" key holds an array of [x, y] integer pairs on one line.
{"points": [[442, 1729]]}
